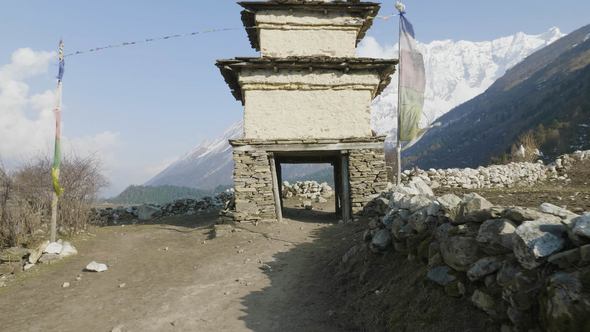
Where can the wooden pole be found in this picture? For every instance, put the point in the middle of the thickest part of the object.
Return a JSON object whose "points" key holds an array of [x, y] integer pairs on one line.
{"points": [[399, 105], [57, 153], [275, 188], [345, 199]]}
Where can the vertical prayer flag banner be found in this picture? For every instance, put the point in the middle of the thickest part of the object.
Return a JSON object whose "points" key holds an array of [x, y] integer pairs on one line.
{"points": [[412, 83], [57, 150]]}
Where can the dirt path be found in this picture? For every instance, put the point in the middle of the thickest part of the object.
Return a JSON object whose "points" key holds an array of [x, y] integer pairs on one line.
{"points": [[261, 278]]}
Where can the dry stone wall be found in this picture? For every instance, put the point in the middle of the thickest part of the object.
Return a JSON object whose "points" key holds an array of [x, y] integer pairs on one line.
{"points": [[497, 176], [368, 176], [254, 200], [527, 268]]}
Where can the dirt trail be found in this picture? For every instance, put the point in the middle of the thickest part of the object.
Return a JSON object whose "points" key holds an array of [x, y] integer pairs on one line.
{"points": [[268, 277]]}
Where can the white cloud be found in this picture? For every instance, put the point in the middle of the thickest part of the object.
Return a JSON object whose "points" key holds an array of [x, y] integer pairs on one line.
{"points": [[27, 122], [370, 48]]}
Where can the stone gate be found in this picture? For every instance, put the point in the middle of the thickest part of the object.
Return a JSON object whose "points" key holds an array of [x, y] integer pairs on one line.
{"points": [[307, 99]]}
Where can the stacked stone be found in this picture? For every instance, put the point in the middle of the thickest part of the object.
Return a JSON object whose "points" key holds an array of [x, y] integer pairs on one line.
{"points": [[307, 189], [526, 268], [498, 176], [253, 187], [368, 176], [145, 212]]}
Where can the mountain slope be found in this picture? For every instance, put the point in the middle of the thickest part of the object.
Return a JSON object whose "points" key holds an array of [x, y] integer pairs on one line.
{"points": [[547, 95], [456, 70], [207, 166]]}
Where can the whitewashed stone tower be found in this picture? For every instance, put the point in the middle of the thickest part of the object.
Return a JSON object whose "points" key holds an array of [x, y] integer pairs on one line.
{"points": [[307, 99]]}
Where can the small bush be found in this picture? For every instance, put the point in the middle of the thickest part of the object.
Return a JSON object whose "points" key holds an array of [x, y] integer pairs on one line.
{"points": [[26, 194]]}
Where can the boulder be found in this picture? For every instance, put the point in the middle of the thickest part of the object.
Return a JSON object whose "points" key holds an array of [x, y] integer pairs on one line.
{"points": [[449, 204], [496, 236], [565, 259], [96, 267], [49, 258], [557, 211], [37, 252], [441, 275], [421, 187], [53, 248], [566, 305], [418, 202], [473, 208], [484, 302], [14, 254], [581, 226], [459, 252], [484, 267], [68, 250], [381, 240], [536, 240], [519, 214], [307, 205]]}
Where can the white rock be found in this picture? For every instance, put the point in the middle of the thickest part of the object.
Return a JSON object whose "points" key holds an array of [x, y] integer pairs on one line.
{"points": [[536, 240], [96, 267], [557, 211], [53, 248], [68, 250]]}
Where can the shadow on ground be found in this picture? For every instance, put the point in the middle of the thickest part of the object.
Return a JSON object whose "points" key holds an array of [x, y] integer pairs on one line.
{"points": [[301, 297], [311, 289]]}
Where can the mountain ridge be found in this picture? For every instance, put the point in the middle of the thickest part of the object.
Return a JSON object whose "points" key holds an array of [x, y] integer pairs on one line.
{"points": [[545, 96]]}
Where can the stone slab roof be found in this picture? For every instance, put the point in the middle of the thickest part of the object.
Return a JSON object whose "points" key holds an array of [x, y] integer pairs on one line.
{"points": [[365, 10], [230, 68]]}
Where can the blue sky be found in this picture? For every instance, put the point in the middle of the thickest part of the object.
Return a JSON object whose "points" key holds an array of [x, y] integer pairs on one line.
{"points": [[155, 102]]}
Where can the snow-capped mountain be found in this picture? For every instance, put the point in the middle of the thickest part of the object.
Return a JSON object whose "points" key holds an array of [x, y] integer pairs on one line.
{"points": [[207, 166], [456, 72]]}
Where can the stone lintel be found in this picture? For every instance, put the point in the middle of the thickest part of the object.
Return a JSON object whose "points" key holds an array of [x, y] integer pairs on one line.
{"points": [[280, 145]]}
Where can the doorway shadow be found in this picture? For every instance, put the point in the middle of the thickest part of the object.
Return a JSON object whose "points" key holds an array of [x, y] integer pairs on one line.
{"points": [[311, 216]]}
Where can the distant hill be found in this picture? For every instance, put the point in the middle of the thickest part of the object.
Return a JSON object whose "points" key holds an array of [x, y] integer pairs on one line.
{"points": [[157, 195], [547, 96]]}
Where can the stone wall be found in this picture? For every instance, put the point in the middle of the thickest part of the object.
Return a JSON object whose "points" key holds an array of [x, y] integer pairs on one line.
{"points": [[319, 113], [368, 176], [254, 200], [283, 34], [528, 269], [498, 176]]}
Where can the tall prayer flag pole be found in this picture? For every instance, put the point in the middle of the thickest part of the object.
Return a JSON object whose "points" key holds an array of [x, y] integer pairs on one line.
{"points": [[411, 86], [57, 189]]}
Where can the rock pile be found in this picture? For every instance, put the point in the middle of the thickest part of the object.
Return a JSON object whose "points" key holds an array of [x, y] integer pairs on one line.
{"points": [[15, 260], [524, 267], [498, 176], [307, 189], [146, 212]]}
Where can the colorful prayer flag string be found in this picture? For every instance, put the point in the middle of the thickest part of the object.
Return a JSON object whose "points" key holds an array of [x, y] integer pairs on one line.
{"points": [[181, 35], [55, 168]]}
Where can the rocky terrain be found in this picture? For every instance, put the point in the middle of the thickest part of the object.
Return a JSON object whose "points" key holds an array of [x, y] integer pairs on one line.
{"points": [[519, 257]]}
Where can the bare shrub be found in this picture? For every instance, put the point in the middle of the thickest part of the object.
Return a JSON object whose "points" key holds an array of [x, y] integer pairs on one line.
{"points": [[526, 149], [26, 193]]}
